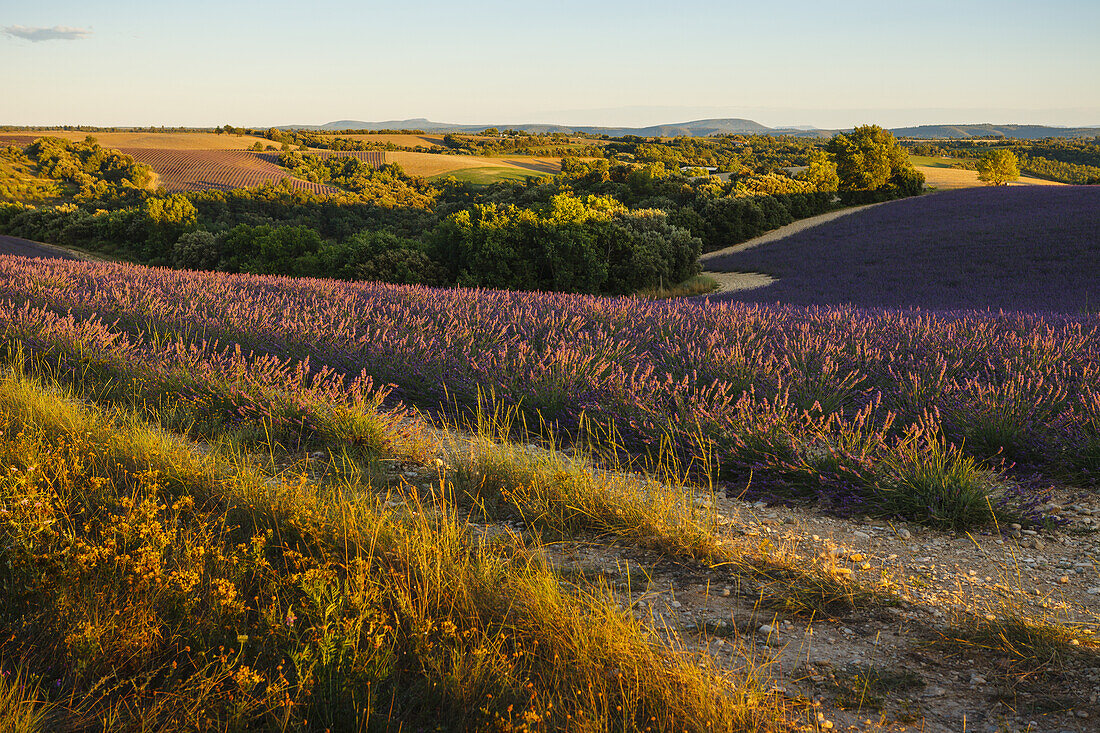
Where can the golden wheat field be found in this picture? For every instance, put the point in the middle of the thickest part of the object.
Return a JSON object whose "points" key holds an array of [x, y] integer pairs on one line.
{"points": [[146, 140], [433, 164], [949, 179], [427, 140]]}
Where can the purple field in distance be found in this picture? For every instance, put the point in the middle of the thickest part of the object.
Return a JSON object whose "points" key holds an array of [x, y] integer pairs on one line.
{"points": [[1025, 248]]}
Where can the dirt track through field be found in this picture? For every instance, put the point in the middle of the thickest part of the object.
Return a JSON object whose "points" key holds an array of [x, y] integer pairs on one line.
{"points": [[26, 248]]}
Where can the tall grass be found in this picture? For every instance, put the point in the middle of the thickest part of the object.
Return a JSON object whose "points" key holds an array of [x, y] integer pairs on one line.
{"points": [[563, 495], [165, 588]]}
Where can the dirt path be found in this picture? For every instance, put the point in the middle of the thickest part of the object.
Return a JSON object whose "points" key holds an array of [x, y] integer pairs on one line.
{"points": [[932, 580]]}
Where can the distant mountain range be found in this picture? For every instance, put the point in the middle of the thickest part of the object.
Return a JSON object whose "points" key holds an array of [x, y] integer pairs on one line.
{"points": [[697, 128], [724, 126], [1023, 132]]}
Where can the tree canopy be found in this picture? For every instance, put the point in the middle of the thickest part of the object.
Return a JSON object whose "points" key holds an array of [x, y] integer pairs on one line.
{"points": [[998, 167], [869, 159]]}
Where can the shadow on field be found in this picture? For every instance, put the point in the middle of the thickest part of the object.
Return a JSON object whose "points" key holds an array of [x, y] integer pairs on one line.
{"points": [[1002, 248], [27, 248]]}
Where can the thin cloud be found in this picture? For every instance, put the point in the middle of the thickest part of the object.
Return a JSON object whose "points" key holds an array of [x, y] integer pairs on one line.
{"points": [[57, 33]]}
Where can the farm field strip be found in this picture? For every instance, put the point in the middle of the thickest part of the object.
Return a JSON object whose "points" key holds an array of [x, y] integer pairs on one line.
{"points": [[198, 170], [809, 402], [377, 158], [146, 140], [433, 164]]}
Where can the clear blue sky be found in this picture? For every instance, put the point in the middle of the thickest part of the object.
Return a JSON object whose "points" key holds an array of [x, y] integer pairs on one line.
{"points": [[203, 62]]}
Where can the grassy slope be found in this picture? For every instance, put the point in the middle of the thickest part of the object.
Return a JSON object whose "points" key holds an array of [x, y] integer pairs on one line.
{"points": [[160, 583], [185, 547], [486, 174]]}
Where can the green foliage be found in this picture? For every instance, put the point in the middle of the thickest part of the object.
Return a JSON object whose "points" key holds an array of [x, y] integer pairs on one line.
{"points": [[196, 251], [722, 221], [871, 164], [821, 173], [387, 186], [601, 226], [271, 250], [382, 256], [998, 167], [99, 174], [519, 143], [588, 245]]}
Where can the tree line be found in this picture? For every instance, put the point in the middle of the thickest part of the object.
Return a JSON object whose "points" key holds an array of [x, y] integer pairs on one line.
{"points": [[600, 226]]}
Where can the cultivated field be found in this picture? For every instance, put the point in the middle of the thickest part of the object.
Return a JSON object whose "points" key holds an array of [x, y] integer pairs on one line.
{"points": [[939, 174], [200, 170], [412, 141], [25, 248], [145, 140], [270, 542], [432, 164], [1029, 248]]}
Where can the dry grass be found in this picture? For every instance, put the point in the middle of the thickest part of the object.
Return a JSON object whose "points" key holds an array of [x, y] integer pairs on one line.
{"points": [[428, 140], [559, 496], [152, 140], [432, 164], [181, 585], [949, 179], [698, 285]]}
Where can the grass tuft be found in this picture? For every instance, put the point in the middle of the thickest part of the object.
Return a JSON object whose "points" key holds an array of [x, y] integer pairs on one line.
{"points": [[167, 589]]}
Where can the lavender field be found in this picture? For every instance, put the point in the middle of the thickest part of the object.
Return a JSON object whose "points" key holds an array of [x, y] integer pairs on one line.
{"points": [[1026, 248], [846, 405]]}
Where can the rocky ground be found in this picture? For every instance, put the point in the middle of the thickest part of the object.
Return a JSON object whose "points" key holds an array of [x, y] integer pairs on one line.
{"points": [[890, 666]]}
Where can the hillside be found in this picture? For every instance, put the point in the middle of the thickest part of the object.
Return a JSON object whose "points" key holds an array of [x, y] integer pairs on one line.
{"points": [[798, 519], [1022, 132], [1030, 248], [703, 128]]}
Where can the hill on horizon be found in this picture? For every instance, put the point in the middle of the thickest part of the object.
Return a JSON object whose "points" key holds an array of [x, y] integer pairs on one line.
{"points": [[1020, 132], [714, 126]]}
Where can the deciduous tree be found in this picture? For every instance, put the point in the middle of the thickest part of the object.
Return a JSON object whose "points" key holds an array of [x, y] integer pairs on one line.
{"points": [[868, 158], [998, 167]]}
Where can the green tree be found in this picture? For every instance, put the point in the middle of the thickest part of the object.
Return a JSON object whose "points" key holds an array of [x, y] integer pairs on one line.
{"points": [[998, 167], [870, 159], [821, 173]]}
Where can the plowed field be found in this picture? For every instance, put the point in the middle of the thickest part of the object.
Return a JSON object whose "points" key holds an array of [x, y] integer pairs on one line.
{"points": [[199, 170]]}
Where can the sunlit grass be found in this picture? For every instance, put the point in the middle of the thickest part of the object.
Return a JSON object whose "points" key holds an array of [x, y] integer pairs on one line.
{"points": [[170, 586], [568, 496]]}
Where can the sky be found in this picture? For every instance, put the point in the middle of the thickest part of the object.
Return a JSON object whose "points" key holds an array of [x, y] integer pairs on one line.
{"points": [[597, 62]]}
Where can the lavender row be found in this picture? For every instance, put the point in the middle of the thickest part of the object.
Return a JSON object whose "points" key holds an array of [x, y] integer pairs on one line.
{"points": [[804, 392]]}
